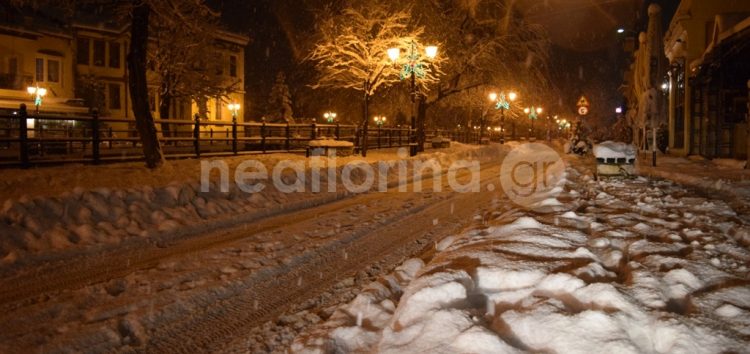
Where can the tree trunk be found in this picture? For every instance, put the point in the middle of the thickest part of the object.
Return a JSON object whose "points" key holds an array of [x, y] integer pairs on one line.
{"points": [[144, 122]]}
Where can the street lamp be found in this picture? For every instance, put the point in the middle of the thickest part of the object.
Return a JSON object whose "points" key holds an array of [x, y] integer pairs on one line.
{"points": [[234, 108], [412, 69], [533, 113], [502, 104], [37, 92], [329, 116], [379, 120]]}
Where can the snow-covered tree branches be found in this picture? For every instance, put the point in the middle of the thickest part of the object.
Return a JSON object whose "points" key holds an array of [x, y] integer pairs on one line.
{"points": [[353, 45]]}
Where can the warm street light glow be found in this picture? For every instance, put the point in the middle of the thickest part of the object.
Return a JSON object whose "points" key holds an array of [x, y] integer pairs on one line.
{"points": [[493, 96], [539, 110], [431, 51], [329, 116], [394, 53], [618, 110], [379, 120], [512, 96], [526, 110], [31, 90]]}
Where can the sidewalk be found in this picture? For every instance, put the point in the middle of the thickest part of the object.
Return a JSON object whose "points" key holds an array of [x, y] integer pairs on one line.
{"points": [[718, 175]]}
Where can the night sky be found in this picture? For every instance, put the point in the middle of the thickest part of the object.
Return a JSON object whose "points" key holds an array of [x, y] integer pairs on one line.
{"points": [[587, 55]]}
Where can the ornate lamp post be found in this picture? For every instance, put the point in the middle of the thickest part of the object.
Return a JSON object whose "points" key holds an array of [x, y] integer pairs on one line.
{"points": [[329, 116], [379, 120], [533, 113], [38, 93], [234, 108], [414, 68], [502, 104]]}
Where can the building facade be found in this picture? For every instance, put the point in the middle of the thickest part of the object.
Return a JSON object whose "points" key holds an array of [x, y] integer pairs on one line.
{"points": [[707, 87], [85, 66]]}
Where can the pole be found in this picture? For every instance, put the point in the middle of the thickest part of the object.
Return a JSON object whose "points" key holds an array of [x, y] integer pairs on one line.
{"points": [[413, 134], [234, 133], [197, 135], [23, 136], [502, 125], [95, 135], [366, 120]]}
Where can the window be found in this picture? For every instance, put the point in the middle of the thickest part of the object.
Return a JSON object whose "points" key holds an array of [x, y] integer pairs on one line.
{"points": [[53, 70], [114, 55], [114, 96], [219, 68], [99, 53], [39, 69], [232, 66], [82, 51]]}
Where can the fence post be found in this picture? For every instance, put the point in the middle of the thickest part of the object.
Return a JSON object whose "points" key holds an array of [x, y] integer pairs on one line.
{"points": [[314, 133], [234, 134], [210, 136], [263, 135], [379, 130], [95, 135], [110, 138], [23, 136], [197, 135], [337, 132], [288, 137]]}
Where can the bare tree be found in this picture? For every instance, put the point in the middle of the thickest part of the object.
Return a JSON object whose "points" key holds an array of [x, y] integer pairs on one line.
{"points": [[184, 55], [489, 46]]}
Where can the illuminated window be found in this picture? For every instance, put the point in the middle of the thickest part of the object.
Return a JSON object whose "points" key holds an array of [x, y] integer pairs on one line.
{"points": [[53, 70]]}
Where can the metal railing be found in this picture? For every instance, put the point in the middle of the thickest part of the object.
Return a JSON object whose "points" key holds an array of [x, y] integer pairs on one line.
{"points": [[28, 138]]}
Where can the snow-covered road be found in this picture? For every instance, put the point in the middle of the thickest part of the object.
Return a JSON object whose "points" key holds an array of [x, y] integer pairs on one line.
{"points": [[635, 265], [225, 290]]}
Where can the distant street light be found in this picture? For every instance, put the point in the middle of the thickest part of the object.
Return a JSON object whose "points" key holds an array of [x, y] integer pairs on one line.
{"points": [[502, 104], [329, 116], [38, 93], [620, 30], [379, 120], [414, 68], [618, 110], [533, 113]]}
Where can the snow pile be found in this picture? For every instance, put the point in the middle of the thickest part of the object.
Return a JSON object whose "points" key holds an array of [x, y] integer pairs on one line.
{"points": [[610, 276], [614, 150], [92, 214], [356, 326]]}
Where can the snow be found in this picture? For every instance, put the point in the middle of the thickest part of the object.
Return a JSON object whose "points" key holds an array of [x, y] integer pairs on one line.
{"points": [[107, 205], [614, 150], [645, 279], [330, 143]]}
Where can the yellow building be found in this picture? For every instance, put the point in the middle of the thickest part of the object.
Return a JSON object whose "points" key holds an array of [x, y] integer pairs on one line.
{"points": [[692, 128], [39, 58], [85, 66]]}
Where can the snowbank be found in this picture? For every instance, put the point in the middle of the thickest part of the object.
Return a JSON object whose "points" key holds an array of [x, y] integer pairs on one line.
{"points": [[147, 206]]}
